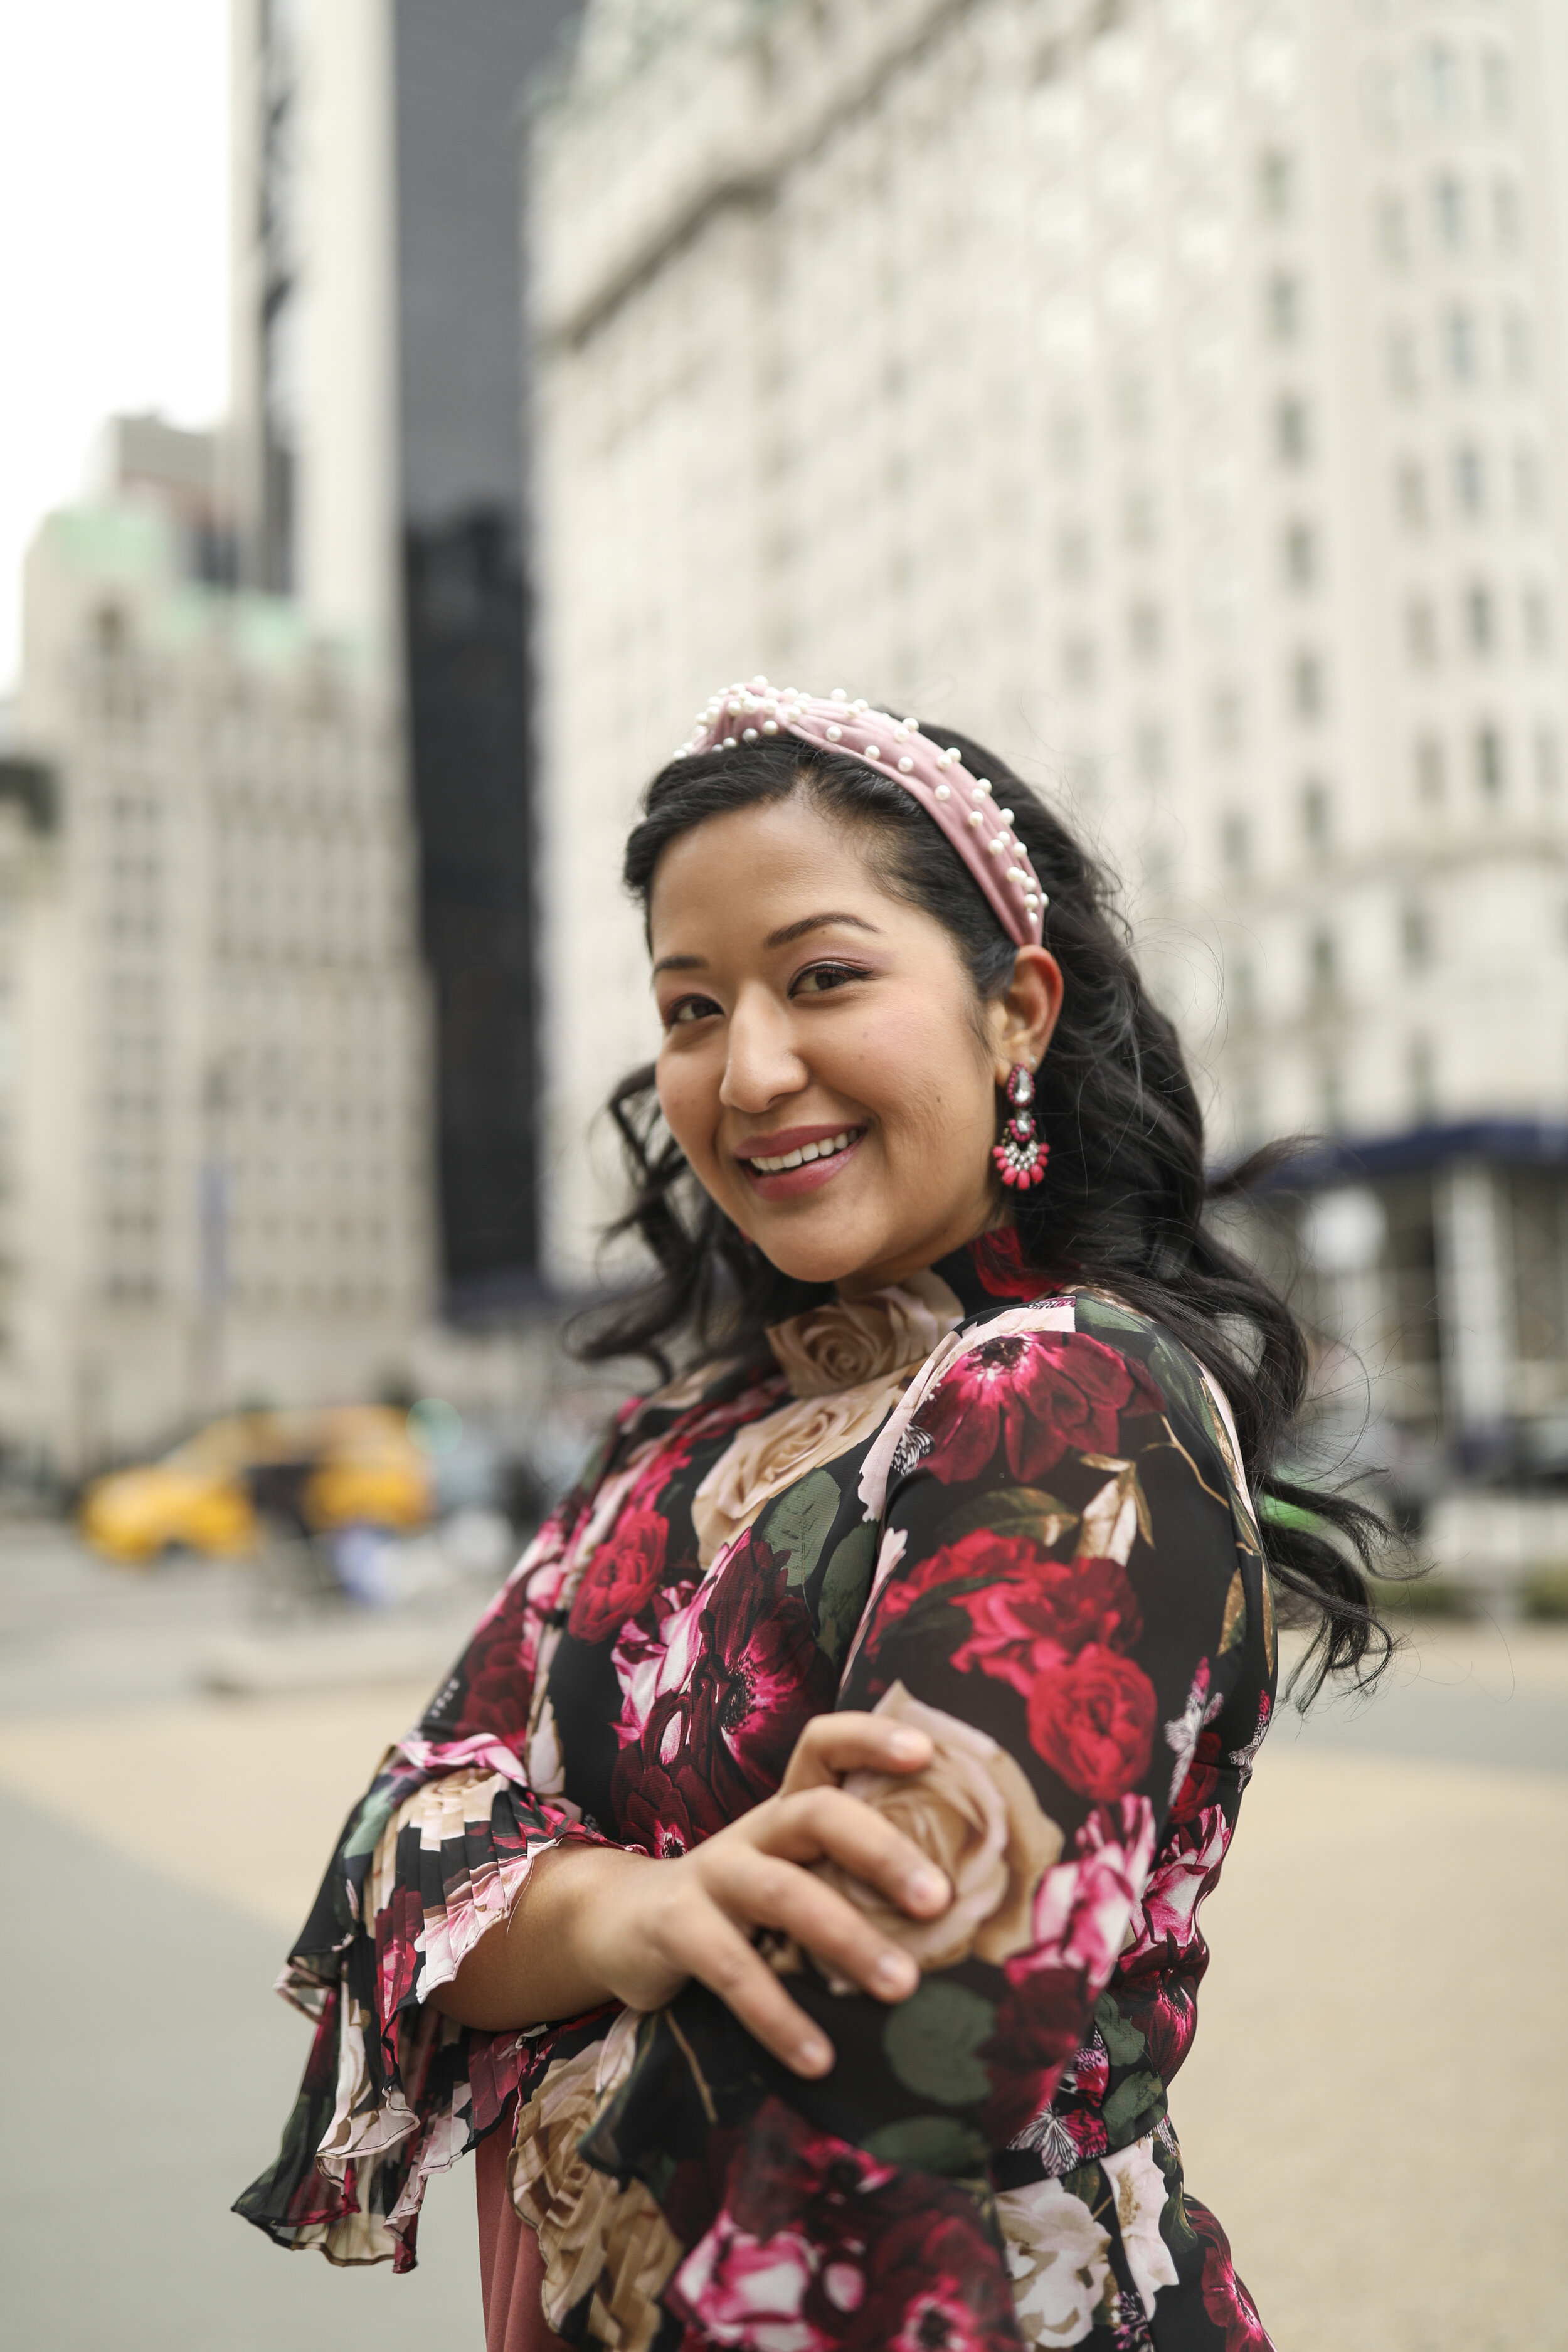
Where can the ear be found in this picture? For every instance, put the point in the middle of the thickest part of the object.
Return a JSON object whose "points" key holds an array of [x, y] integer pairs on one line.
{"points": [[1020, 1020]]}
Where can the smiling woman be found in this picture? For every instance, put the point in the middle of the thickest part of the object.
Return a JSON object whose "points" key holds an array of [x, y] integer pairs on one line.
{"points": [[793, 1892]]}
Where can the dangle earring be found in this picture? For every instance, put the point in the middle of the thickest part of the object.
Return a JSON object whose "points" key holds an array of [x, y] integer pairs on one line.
{"points": [[1021, 1156]]}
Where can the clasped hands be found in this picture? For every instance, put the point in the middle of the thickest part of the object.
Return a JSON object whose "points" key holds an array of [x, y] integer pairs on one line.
{"points": [[593, 1922]]}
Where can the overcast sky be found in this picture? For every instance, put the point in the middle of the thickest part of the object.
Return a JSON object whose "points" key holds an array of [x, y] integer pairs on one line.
{"points": [[114, 240]]}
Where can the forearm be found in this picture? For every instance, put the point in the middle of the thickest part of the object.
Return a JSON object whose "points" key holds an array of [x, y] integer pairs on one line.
{"points": [[543, 1965]]}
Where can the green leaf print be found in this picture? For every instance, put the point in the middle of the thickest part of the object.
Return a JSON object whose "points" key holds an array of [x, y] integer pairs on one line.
{"points": [[845, 1585], [1134, 2107], [929, 2144], [798, 1523], [932, 2040], [1123, 2043], [372, 1819], [1014, 1511]]}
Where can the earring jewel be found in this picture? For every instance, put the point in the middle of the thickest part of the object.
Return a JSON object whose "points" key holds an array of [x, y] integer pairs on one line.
{"points": [[1021, 1156]]}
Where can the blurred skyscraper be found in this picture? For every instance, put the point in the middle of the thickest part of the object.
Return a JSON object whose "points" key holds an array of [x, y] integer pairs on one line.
{"points": [[378, 466], [1173, 392]]}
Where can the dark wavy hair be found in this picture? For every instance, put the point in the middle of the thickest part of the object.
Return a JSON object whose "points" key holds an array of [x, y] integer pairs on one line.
{"points": [[1124, 1201]]}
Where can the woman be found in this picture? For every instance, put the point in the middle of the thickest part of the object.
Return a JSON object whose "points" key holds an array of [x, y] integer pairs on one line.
{"points": [[793, 1893]]}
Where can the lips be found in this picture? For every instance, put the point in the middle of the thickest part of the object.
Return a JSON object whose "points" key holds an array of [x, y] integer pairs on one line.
{"points": [[796, 1159]]}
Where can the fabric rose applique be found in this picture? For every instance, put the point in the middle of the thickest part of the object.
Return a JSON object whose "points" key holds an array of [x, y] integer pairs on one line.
{"points": [[973, 1813], [846, 1341]]}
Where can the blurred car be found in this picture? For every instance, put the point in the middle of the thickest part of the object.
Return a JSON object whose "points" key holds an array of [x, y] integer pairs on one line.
{"points": [[347, 1465]]}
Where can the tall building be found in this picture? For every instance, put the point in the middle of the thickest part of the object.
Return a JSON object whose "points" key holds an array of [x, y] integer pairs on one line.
{"points": [[377, 464], [1173, 392], [213, 1060]]}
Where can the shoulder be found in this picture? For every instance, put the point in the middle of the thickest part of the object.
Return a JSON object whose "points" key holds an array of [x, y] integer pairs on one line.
{"points": [[1080, 1373]]}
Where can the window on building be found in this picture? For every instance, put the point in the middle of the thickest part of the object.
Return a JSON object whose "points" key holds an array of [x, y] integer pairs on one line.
{"points": [[1079, 663], [1331, 1095], [1276, 184], [1243, 989], [1309, 690], [1489, 753], [1518, 347], [1480, 618], [1322, 963], [1404, 374], [1300, 555], [1470, 480], [1547, 766], [1283, 307], [1506, 225], [1235, 844], [1449, 212], [1527, 491], [1152, 752], [1143, 632], [1422, 1079], [1414, 939], [1440, 82], [1421, 631], [1459, 343], [1410, 494], [1538, 620], [1073, 554], [1393, 231], [1315, 815], [1291, 431], [1429, 771]]}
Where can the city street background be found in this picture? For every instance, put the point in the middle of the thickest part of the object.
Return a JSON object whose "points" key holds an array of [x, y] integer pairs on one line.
{"points": [[1373, 2105]]}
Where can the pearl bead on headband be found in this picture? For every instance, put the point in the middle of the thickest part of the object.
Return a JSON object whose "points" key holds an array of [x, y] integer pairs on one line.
{"points": [[962, 804]]}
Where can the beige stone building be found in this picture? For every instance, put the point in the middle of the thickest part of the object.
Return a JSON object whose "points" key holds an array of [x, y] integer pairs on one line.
{"points": [[1173, 392], [213, 1047]]}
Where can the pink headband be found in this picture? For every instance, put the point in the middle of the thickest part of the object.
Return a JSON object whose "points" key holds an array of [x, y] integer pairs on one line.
{"points": [[960, 803]]}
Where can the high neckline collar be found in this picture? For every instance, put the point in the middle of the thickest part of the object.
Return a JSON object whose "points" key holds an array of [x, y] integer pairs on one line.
{"points": [[989, 1271]]}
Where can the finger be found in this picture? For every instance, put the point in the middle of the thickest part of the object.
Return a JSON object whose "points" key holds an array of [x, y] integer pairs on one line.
{"points": [[768, 1892], [720, 1955], [832, 1745], [830, 1824]]}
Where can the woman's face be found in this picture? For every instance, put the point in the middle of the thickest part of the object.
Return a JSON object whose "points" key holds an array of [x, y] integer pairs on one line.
{"points": [[808, 1012]]}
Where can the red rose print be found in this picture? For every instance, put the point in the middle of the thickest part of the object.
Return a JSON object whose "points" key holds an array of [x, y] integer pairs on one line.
{"points": [[1040, 1611], [1040, 1395], [1092, 1721], [622, 1576], [1038, 2022]]}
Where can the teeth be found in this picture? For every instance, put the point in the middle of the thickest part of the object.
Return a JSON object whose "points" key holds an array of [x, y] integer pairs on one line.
{"points": [[808, 1152]]}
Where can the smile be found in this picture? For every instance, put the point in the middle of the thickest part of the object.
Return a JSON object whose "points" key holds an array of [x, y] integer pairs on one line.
{"points": [[806, 1162]]}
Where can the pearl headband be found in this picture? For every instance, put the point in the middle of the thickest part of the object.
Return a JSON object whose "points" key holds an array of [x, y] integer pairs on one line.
{"points": [[963, 806]]}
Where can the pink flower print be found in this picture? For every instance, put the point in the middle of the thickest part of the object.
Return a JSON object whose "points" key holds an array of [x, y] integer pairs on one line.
{"points": [[1091, 1719], [1244, 1759], [1183, 1873], [1082, 1906], [742, 2290]]}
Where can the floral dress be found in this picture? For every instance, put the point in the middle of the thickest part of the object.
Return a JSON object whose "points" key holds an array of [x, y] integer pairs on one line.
{"points": [[1016, 1522]]}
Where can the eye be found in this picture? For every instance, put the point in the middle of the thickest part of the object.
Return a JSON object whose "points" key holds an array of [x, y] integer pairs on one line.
{"points": [[687, 1009], [818, 978]]}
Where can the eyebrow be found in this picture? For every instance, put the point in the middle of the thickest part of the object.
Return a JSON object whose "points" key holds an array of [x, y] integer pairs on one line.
{"points": [[780, 939]]}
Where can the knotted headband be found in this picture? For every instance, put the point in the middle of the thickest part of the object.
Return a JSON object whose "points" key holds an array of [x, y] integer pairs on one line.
{"points": [[962, 804]]}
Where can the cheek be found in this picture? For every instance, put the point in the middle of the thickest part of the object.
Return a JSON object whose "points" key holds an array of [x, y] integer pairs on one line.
{"points": [[924, 1071], [688, 1098]]}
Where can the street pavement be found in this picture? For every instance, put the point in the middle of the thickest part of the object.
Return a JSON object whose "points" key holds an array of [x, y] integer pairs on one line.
{"points": [[1373, 2108]]}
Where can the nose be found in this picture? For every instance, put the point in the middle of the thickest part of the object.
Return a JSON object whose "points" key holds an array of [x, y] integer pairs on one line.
{"points": [[762, 1062]]}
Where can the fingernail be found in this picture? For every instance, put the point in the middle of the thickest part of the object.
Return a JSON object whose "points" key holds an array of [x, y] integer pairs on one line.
{"points": [[812, 2055], [895, 1972], [907, 1743], [927, 1886]]}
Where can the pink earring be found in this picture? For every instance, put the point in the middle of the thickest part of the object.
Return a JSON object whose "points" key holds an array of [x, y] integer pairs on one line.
{"points": [[1021, 1156]]}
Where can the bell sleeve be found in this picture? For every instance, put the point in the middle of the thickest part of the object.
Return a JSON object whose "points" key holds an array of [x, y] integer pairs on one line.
{"points": [[1066, 1570], [432, 1858]]}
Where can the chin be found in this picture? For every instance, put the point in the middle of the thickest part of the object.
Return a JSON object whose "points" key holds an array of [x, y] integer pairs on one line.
{"points": [[809, 1259]]}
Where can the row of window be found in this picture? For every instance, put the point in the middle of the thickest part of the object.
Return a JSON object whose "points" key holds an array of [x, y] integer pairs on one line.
{"points": [[1480, 624], [1475, 483], [1442, 85], [1463, 346], [1456, 215]]}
